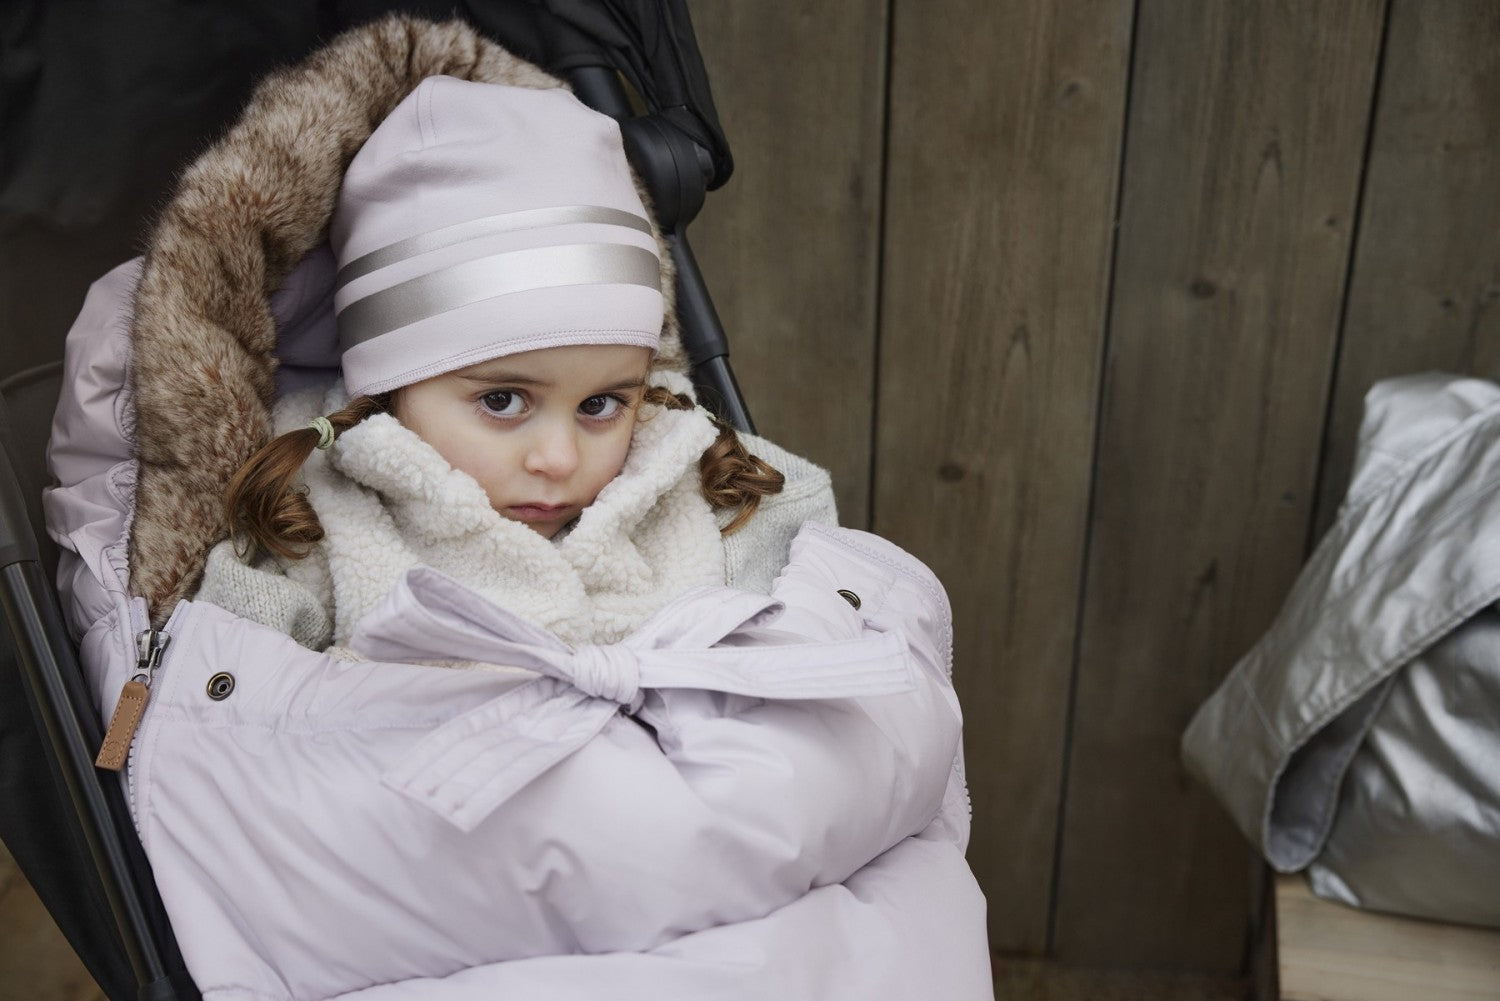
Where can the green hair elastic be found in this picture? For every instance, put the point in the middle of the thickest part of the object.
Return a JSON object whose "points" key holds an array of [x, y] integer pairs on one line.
{"points": [[324, 427]]}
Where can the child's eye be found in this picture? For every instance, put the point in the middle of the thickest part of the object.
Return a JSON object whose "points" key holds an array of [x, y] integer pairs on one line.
{"points": [[502, 403], [603, 407]]}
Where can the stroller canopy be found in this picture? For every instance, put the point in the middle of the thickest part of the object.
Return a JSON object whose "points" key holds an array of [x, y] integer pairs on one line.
{"points": [[650, 42]]}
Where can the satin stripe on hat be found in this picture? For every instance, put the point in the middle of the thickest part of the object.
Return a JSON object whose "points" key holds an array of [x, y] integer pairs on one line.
{"points": [[492, 277], [509, 222], [480, 220]]}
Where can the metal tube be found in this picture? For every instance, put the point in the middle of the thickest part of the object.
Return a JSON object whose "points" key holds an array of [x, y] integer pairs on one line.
{"points": [[704, 339]]}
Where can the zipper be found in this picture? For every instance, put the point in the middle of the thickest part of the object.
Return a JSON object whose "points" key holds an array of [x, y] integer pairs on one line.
{"points": [[150, 649], [149, 646]]}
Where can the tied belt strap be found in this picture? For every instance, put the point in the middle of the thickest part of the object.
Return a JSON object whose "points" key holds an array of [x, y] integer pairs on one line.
{"points": [[472, 764]]}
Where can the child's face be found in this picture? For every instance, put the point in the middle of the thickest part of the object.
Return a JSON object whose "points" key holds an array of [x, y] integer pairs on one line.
{"points": [[542, 431]]}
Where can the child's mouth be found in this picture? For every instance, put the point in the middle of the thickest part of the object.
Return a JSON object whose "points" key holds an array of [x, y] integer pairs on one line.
{"points": [[535, 512]]}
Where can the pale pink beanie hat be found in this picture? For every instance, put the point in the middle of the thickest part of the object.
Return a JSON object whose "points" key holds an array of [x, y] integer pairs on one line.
{"points": [[483, 220]]}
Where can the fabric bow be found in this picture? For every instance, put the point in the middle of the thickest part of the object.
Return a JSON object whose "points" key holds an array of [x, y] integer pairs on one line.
{"points": [[472, 764]]}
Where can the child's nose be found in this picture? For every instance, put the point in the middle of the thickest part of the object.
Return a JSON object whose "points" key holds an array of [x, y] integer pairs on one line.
{"points": [[553, 452]]}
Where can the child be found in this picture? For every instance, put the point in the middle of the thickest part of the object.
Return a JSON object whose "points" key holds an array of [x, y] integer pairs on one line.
{"points": [[501, 419], [749, 795]]}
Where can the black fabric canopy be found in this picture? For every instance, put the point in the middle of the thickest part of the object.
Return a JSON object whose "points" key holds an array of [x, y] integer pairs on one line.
{"points": [[103, 103], [650, 42]]}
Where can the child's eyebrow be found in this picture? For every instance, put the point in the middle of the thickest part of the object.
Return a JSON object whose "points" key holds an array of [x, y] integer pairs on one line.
{"points": [[500, 375], [623, 384]]}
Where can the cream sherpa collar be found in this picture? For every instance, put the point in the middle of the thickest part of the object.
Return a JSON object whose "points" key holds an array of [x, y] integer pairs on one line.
{"points": [[389, 502], [243, 216]]}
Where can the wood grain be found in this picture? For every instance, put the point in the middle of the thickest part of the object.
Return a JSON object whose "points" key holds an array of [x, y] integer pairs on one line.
{"points": [[790, 245], [1246, 129], [1425, 292], [1004, 153], [1329, 952]]}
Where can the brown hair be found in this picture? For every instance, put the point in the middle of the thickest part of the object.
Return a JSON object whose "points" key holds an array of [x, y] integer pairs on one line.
{"points": [[265, 508], [732, 477], [261, 504]]}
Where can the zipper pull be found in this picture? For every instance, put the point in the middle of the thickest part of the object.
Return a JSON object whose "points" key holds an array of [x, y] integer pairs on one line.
{"points": [[149, 645]]}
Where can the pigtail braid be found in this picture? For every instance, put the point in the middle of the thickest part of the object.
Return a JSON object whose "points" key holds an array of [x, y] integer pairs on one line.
{"points": [[731, 477], [261, 504]]}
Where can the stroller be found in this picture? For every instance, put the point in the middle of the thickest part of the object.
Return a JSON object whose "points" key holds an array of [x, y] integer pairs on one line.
{"points": [[79, 849]]}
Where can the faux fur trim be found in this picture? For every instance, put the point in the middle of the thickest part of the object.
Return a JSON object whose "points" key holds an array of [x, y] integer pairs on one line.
{"points": [[244, 214]]}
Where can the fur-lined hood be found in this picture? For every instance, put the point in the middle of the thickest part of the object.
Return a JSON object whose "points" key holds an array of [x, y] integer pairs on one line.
{"points": [[242, 217]]}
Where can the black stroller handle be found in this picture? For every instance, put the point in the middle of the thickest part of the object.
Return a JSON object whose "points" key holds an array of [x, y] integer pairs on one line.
{"points": [[676, 171]]}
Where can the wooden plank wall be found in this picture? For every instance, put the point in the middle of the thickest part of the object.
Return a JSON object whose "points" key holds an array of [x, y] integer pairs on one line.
{"points": [[1078, 300], [1246, 133], [1002, 188], [1425, 290], [1137, 262], [792, 245]]}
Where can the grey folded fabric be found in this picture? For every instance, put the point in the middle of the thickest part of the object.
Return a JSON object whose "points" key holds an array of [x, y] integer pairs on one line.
{"points": [[1360, 737]]}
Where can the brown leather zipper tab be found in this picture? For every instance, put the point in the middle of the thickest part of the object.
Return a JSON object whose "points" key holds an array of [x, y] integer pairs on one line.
{"points": [[122, 726]]}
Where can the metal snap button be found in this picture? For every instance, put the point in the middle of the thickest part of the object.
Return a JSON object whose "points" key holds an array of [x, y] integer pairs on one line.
{"points": [[220, 685], [850, 597]]}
